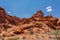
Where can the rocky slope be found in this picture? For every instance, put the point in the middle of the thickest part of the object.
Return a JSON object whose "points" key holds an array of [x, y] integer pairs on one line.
{"points": [[38, 23]]}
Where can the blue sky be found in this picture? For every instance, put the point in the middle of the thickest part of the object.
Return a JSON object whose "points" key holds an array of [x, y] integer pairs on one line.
{"points": [[26, 8]]}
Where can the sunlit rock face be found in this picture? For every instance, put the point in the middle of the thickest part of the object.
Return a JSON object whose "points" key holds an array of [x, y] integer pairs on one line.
{"points": [[38, 14]]}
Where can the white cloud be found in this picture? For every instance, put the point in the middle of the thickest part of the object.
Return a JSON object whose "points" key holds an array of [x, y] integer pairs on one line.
{"points": [[49, 8], [9, 12]]}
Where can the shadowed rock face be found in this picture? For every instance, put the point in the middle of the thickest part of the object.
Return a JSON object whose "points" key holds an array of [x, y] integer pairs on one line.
{"points": [[2, 15], [19, 25], [5, 18]]}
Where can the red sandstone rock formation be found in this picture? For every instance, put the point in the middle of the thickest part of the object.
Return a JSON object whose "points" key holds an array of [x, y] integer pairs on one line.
{"points": [[6, 18], [14, 25]]}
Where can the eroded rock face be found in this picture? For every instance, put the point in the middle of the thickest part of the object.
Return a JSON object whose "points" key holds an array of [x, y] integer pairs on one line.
{"points": [[2, 15], [12, 25], [5, 18], [58, 22], [39, 14]]}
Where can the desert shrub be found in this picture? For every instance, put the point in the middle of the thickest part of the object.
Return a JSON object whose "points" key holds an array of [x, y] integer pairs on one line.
{"points": [[23, 37], [56, 33], [31, 32], [13, 38]]}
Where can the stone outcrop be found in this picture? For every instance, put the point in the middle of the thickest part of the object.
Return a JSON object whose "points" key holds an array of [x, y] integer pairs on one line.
{"points": [[6, 18], [12, 25], [39, 14]]}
